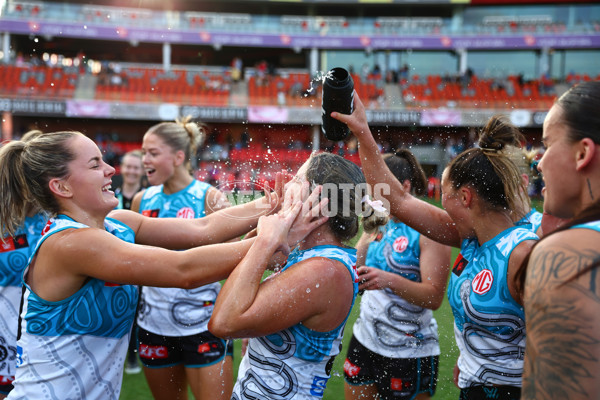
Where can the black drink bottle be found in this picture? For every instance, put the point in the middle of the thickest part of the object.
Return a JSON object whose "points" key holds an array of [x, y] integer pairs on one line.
{"points": [[338, 95]]}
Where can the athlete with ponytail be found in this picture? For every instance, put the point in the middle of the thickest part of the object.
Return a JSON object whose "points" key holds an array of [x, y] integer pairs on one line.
{"points": [[394, 350], [172, 321], [482, 197]]}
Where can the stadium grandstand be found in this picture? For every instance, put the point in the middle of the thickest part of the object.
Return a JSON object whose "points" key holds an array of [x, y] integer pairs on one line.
{"points": [[429, 72]]}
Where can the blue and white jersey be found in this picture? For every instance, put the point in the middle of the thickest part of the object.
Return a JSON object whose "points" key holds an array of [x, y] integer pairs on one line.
{"points": [[294, 363], [173, 311], [14, 254], [389, 325], [532, 218], [489, 325], [75, 348]]}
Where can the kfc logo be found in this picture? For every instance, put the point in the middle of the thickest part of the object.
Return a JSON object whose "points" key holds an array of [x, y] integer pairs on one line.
{"points": [[153, 352], [350, 369]]}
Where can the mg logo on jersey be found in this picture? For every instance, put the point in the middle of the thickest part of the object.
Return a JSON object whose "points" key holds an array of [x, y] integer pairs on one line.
{"points": [[400, 244], [186, 213], [482, 282], [153, 352]]}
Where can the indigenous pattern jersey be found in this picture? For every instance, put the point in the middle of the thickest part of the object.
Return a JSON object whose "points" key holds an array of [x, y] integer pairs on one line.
{"points": [[14, 254], [173, 311], [294, 363], [389, 325], [533, 218], [489, 325], [75, 348]]}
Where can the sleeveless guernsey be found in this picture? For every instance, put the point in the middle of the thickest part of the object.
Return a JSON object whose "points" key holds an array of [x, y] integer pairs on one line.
{"points": [[389, 325], [294, 363], [75, 348], [489, 325], [14, 254], [172, 311]]}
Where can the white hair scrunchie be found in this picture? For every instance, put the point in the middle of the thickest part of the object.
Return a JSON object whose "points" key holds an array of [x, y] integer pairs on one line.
{"points": [[376, 205]]}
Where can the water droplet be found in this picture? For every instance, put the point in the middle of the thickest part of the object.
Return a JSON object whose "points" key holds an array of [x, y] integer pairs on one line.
{"points": [[307, 290]]}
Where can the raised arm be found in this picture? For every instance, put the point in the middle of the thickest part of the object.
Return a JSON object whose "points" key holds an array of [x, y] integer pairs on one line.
{"points": [[418, 214], [246, 307], [429, 293], [562, 303]]}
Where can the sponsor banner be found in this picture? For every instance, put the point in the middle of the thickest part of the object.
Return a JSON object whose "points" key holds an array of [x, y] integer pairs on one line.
{"points": [[394, 117], [33, 107], [304, 115], [441, 117], [330, 41], [144, 111], [216, 114], [88, 108], [268, 114]]}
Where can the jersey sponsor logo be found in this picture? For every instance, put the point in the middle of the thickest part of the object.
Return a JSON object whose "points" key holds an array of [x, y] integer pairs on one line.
{"points": [[318, 386], [151, 213], [14, 243], [400, 244], [459, 265], [482, 282], [153, 352], [19, 354], [350, 369], [186, 213]]}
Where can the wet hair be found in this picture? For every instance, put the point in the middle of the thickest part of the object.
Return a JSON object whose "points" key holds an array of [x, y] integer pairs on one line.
{"points": [[522, 158], [181, 135], [488, 170], [26, 168], [580, 105], [342, 175], [404, 165]]}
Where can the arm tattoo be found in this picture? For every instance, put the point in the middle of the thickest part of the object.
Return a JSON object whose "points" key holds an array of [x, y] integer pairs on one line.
{"points": [[562, 355]]}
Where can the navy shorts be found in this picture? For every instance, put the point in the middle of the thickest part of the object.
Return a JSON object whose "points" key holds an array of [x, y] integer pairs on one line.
{"points": [[395, 378], [196, 351], [6, 384]]}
